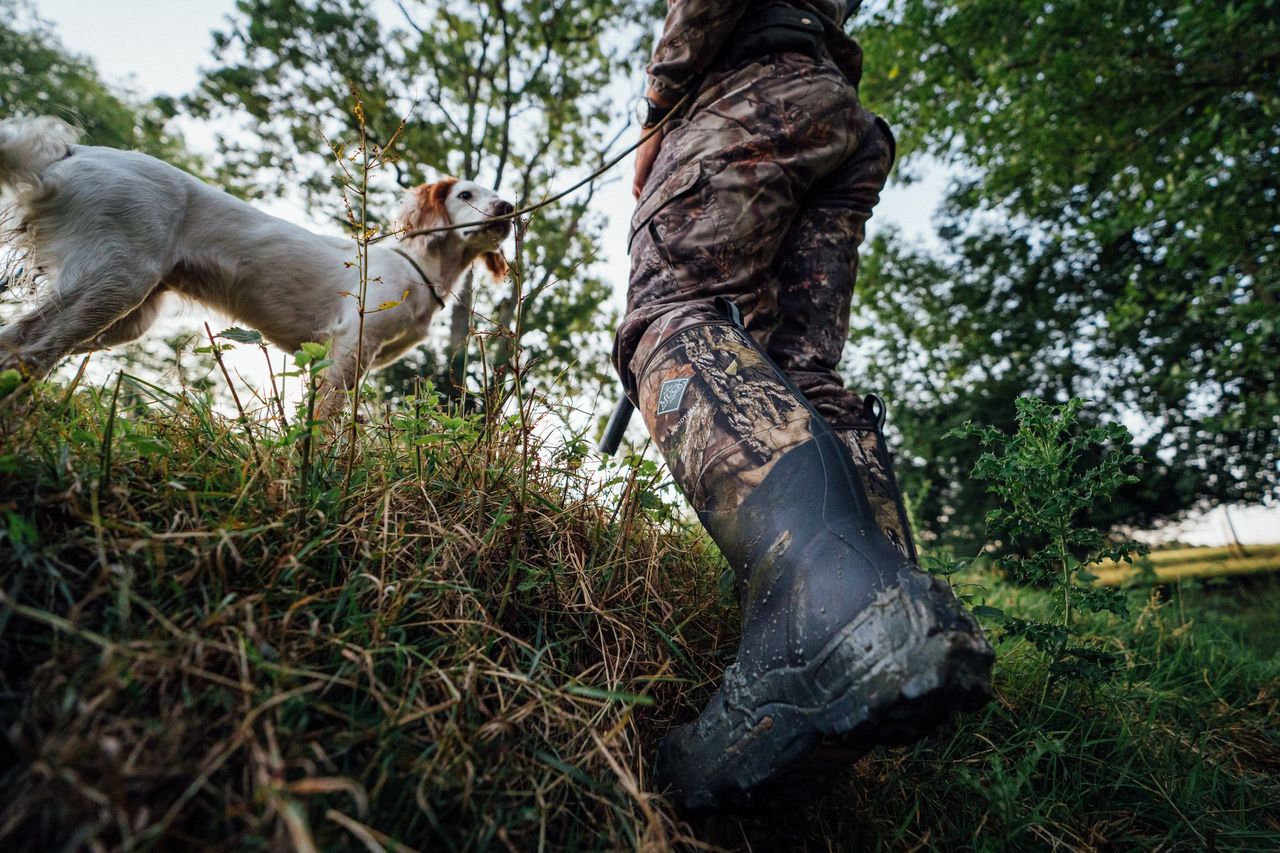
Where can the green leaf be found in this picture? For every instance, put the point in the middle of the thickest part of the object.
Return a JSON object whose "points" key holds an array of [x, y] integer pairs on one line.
{"points": [[993, 614], [608, 695], [146, 445], [22, 533], [241, 336], [310, 353]]}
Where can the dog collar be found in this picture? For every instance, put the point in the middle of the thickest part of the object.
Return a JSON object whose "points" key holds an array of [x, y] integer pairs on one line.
{"points": [[418, 270]]}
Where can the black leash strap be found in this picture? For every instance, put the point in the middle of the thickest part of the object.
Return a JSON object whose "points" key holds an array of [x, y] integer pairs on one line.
{"points": [[419, 271]]}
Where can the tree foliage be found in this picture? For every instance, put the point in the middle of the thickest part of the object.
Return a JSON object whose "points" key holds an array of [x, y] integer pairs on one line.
{"points": [[1114, 232], [39, 76], [515, 94]]}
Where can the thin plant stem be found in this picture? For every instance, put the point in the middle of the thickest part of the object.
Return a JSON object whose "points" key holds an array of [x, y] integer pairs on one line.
{"points": [[275, 391], [104, 452], [244, 419], [362, 270]]}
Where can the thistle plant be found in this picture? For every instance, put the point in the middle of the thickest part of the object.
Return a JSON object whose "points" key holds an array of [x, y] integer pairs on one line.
{"points": [[1046, 475]]}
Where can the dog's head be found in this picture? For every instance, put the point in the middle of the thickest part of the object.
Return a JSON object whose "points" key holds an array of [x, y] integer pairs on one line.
{"points": [[455, 202]]}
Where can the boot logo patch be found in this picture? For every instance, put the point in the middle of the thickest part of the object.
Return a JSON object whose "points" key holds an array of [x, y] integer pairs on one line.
{"points": [[671, 395]]}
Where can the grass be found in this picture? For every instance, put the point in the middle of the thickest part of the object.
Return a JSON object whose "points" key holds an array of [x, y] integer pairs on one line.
{"points": [[1120, 575], [449, 636]]}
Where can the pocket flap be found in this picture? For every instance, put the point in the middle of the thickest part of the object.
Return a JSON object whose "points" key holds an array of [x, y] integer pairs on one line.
{"points": [[684, 180]]}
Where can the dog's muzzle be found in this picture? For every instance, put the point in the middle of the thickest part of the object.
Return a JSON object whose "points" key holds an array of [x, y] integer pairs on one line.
{"points": [[503, 226]]}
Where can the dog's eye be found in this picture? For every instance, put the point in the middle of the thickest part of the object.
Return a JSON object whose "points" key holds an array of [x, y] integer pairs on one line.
{"points": [[465, 195]]}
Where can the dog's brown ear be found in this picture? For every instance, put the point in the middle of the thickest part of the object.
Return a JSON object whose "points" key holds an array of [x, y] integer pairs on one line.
{"points": [[496, 264], [426, 205], [439, 192]]}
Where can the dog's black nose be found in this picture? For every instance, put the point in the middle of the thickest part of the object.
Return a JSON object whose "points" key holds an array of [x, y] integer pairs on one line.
{"points": [[503, 208]]}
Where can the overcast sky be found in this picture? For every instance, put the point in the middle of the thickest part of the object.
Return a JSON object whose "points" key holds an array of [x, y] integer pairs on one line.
{"points": [[158, 47]]}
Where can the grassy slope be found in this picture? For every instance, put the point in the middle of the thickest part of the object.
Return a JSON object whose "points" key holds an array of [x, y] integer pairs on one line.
{"points": [[469, 646]]}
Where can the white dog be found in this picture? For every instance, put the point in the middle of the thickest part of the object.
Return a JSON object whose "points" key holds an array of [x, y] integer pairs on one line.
{"points": [[115, 230]]}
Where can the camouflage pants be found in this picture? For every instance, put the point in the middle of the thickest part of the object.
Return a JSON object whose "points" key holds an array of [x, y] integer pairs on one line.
{"points": [[760, 193]]}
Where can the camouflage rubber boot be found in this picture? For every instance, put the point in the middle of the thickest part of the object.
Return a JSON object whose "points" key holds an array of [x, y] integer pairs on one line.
{"points": [[845, 644]]}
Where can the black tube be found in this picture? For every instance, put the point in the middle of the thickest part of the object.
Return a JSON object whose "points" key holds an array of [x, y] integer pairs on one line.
{"points": [[616, 427]]}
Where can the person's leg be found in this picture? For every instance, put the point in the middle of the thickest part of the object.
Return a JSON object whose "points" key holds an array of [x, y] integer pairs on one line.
{"points": [[816, 269], [726, 187], [842, 639]]}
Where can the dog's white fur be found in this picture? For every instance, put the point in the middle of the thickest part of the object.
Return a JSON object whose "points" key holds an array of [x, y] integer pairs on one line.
{"points": [[114, 230]]}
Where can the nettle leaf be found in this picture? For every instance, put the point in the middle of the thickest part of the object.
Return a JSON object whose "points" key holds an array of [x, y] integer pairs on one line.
{"points": [[1099, 599], [942, 565], [241, 336]]}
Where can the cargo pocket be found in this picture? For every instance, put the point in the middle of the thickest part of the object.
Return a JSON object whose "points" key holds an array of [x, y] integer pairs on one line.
{"points": [[680, 184]]}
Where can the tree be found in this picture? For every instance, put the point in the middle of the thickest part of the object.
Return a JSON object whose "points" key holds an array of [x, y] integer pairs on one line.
{"points": [[39, 76], [512, 93], [1114, 233]]}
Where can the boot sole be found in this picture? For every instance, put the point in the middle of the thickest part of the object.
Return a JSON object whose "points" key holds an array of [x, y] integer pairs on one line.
{"points": [[903, 667]]}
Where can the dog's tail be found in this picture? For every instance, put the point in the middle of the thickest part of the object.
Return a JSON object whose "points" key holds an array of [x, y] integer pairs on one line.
{"points": [[28, 146]]}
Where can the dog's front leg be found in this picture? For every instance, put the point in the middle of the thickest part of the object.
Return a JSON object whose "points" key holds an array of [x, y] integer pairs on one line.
{"points": [[331, 402]]}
